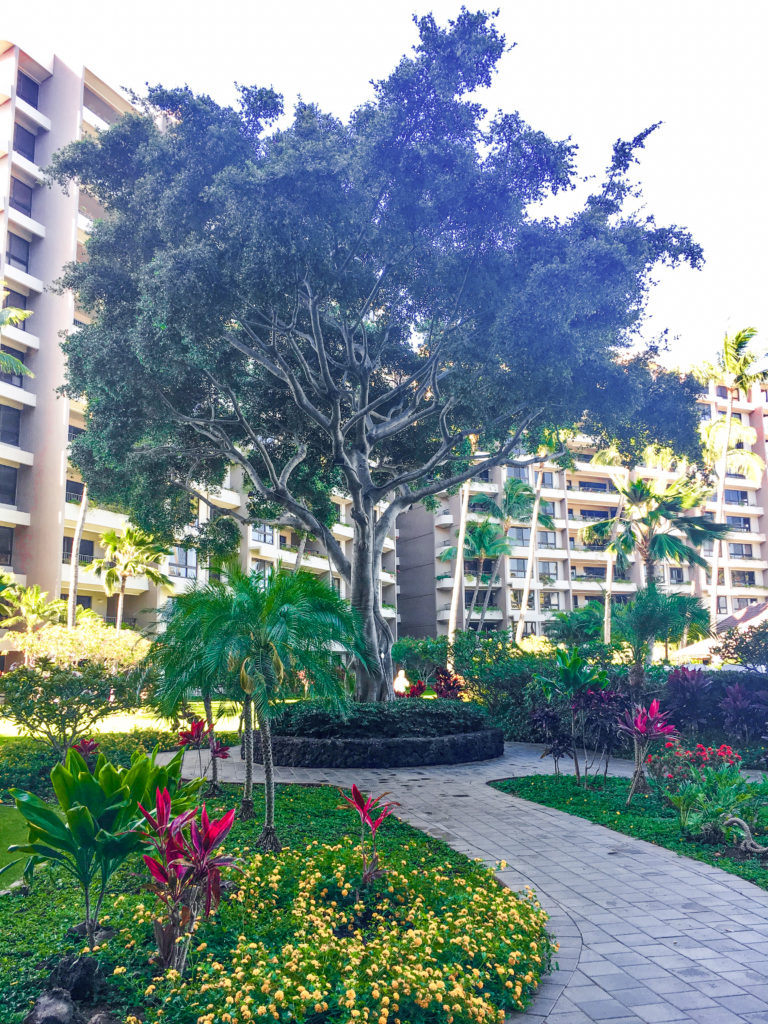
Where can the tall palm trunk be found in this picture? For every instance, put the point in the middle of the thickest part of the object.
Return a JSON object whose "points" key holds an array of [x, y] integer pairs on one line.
{"points": [[487, 601], [531, 558], [609, 577], [476, 591], [213, 789], [247, 811], [458, 574], [268, 840], [74, 559], [120, 604], [720, 513]]}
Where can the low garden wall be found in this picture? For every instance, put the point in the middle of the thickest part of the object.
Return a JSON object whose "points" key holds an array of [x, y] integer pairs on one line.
{"points": [[383, 752]]}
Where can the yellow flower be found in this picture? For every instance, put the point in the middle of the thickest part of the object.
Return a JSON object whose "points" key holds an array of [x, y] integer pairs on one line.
{"points": [[120, 970]]}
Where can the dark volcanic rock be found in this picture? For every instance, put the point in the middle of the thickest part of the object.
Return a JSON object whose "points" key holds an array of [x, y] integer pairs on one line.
{"points": [[77, 974], [54, 1007]]}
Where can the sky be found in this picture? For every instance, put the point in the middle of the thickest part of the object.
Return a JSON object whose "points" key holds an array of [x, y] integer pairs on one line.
{"points": [[592, 70]]}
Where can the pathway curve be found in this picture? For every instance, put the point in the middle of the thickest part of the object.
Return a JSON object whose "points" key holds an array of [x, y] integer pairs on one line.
{"points": [[645, 936]]}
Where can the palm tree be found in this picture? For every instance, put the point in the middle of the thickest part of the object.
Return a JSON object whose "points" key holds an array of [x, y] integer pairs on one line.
{"points": [[655, 525], [577, 627], [261, 633], [74, 559], [653, 613], [725, 451], [535, 520], [517, 503], [482, 541], [11, 316], [127, 555], [458, 572], [734, 369], [688, 620], [29, 607], [611, 456]]}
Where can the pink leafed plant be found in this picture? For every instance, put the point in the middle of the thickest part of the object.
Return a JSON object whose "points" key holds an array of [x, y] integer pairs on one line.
{"points": [[646, 726], [186, 872], [86, 747], [195, 735], [372, 813], [199, 735]]}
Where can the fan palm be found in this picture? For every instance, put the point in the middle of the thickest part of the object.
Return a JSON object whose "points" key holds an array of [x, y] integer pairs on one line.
{"points": [[735, 368], [518, 501], [611, 456], [30, 608], [482, 541], [258, 634], [127, 555]]}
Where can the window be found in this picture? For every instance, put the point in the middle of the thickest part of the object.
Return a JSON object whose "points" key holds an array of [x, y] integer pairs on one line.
{"points": [[546, 539], [548, 508], [722, 605], [517, 599], [517, 567], [589, 572], [74, 491], [13, 378], [263, 533], [83, 602], [705, 413], [27, 89], [10, 423], [21, 197], [550, 602], [73, 432], [85, 556], [484, 475], [707, 548], [8, 478], [548, 569], [721, 391], [743, 602], [529, 629], [736, 497], [519, 535], [743, 523], [740, 550], [24, 142], [547, 479], [675, 574], [17, 253], [519, 473], [6, 545], [336, 584], [15, 300], [595, 514], [742, 578], [593, 485], [183, 563]]}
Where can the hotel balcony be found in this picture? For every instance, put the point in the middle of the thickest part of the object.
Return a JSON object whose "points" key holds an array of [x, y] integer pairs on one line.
{"points": [[88, 581], [10, 515], [96, 519]]}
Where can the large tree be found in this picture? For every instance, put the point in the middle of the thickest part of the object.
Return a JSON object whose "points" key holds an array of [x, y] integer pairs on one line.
{"points": [[366, 301]]}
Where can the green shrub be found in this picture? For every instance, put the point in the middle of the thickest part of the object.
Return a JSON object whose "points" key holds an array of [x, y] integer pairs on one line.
{"points": [[437, 717]]}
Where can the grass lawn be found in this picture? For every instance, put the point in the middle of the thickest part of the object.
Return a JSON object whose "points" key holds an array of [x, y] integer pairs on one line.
{"points": [[13, 829], [225, 722], [646, 818], [34, 926]]}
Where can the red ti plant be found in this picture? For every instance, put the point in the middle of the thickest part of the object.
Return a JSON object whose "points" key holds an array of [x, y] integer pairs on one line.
{"points": [[186, 873], [447, 684], [415, 689], [372, 813], [86, 748], [197, 736], [646, 726]]}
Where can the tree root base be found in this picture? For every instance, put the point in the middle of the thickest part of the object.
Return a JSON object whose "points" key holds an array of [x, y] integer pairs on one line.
{"points": [[269, 841], [247, 811], [213, 790]]}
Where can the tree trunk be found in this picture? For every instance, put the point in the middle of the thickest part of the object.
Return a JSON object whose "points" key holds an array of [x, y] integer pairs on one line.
{"points": [[475, 593], [300, 552], [458, 574], [373, 682], [74, 561], [609, 577], [487, 601], [247, 811], [531, 559], [120, 603], [213, 789], [720, 513], [268, 839]]}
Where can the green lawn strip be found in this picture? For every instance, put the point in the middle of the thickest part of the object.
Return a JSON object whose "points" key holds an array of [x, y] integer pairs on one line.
{"points": [[646, 818], [13, 829], [34, 926]]}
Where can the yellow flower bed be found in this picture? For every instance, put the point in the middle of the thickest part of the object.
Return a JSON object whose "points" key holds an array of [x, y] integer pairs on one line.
{"points": [[423, 945]]}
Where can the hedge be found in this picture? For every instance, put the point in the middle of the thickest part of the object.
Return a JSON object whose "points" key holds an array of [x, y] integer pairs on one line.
{"points": [[404, 717]]}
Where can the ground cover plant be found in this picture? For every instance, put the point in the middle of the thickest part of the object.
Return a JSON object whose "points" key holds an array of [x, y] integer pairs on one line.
{"points": [[650, 816], [286, 939]]}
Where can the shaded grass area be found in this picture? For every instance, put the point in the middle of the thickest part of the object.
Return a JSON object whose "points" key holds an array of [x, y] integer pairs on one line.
{"points": [[646, 818], [13, 829], [34, 926]]}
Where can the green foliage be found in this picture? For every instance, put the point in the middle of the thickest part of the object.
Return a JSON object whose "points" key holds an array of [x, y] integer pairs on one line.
{"points": [[577, 627], [94, 828], [420, 656], [396, 718], [748, 647], [62, 704]]}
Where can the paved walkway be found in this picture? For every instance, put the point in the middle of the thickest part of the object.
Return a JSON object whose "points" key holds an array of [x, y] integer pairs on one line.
{"points": [[645, 936]]}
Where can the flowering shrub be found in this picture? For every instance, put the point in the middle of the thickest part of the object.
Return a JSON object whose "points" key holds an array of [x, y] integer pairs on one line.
{"points": [[186, 875], [428, 945], [675, 764]]}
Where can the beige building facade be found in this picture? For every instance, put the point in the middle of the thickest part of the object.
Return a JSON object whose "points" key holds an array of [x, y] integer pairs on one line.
{"points": [[568, 572]]}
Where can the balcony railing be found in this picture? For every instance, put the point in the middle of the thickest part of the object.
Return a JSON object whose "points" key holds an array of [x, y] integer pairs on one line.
{"points": [[74, 496], [66, 558]]}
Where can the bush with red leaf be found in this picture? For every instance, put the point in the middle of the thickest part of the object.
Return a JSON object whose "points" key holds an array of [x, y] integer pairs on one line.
{"points": [[448, 685], [366, 807], [414, 689], [186, 873]]}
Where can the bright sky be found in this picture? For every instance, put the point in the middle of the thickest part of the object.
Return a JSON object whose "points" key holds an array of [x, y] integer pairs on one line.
{"points": [[592, 69]]}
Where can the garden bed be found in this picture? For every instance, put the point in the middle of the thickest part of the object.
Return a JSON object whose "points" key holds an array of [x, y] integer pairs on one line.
{"points": [[646, 818], [390, 752]]}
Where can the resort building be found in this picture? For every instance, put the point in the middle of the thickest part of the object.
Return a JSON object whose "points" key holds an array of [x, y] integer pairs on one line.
{"points": [[45, 104], [569, 572]]}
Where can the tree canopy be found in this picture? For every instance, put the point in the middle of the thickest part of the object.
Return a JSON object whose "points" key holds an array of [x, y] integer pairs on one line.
{"points": [[357, 303]]}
